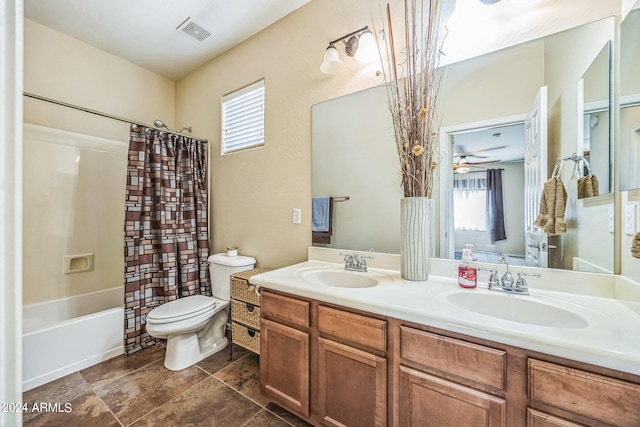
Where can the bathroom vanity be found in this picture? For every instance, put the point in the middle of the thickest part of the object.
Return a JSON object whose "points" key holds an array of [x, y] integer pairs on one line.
{"points": [[391, 352]]}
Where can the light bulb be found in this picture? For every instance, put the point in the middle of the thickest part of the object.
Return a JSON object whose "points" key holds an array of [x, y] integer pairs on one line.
{"points": [[367, 50], [331, 63]]}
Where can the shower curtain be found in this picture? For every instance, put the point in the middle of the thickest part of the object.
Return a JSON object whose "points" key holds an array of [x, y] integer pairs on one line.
{"points": [[166, 240]]}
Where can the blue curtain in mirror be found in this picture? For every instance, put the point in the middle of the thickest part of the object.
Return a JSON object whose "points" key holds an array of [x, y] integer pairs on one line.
{"points": [[495, 205]]}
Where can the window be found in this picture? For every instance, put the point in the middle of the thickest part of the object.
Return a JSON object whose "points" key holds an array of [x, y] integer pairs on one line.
{"points": [[243, 118], [470, 199]]}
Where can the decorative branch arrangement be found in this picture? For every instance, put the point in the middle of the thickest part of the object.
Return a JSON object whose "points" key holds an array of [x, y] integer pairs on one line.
{"points": [[413, 88]]}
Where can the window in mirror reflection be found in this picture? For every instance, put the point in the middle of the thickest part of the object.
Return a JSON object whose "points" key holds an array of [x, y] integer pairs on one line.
{"points": [[469, 198]]}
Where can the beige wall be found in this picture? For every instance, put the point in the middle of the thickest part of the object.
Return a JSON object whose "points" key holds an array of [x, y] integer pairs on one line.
{"points": [[60, 67], [253, 192], [498, 84]]}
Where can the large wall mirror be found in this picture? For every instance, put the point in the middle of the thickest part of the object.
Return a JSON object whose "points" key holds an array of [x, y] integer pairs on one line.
{"points": [[630, 100], [485, 104]]}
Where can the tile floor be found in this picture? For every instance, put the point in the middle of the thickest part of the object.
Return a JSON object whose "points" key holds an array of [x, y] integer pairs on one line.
{"points": [[138, 390]]}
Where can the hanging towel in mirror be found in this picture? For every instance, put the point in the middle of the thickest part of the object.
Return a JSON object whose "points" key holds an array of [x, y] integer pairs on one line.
{"points": [[552, 207], [321, 218], [588, 186], [320, 214], [635, 246]]}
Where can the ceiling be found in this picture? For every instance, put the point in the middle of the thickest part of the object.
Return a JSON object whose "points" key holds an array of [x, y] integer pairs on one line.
{"points": [[144, 31], [492, 144]]}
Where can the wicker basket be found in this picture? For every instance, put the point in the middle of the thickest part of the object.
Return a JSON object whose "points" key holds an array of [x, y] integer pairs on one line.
{"points": [[245, 313], [242, 336], [241, 288]]}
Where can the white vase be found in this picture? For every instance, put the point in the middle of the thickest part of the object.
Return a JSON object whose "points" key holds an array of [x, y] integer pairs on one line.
{"points": [[416, 237]]}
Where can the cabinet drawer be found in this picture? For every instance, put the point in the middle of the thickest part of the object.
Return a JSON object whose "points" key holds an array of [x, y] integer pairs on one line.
{"points": [[283, 309], [484, 365], [540, 419], [245, 337], [245, 313], [353, 327], [608, 399]]}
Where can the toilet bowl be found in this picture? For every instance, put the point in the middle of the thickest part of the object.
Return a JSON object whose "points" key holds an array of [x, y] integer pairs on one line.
{"points": [[195, 326]]}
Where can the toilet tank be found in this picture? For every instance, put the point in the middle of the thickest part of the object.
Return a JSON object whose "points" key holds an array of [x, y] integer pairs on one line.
{"points": [[221, 267]]}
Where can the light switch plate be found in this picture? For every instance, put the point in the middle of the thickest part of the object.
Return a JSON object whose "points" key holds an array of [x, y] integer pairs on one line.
{"points": [[630, 219]]}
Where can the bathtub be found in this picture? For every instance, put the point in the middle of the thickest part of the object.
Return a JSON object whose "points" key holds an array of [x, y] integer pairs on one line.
{"points": [[69, 334]]}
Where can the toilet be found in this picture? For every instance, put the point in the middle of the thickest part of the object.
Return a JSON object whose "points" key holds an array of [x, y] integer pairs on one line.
{"points": [[195, 326]]}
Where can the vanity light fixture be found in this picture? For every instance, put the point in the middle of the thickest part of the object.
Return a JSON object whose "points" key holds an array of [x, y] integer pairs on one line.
{"points": [[360, 44]]}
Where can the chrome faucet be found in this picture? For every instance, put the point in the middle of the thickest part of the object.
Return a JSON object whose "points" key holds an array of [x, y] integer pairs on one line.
{"points": [[354, 263], [493, 282], [507, 277], [506, 283], [521, 285]]}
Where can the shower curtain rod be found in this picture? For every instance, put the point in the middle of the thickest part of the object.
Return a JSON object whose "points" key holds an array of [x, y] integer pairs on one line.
{"points": [[99, 113]]}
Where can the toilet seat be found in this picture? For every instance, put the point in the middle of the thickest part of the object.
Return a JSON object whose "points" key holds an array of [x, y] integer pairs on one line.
{"points": [[181, 309], [189, 316]]}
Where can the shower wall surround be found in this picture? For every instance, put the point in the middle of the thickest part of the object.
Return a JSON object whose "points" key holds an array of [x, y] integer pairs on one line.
{"points": [[73, 202], [63, 68]]}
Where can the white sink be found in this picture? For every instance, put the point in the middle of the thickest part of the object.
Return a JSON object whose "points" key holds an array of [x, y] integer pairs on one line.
{"points": [[342, 278], [517, 308]]}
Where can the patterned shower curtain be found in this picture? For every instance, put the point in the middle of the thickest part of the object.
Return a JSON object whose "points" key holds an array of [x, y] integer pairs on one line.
{"points": [[166, 241]]}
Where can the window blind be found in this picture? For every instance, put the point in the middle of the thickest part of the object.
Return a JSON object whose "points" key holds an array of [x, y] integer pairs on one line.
{"points": [[243, 118]]}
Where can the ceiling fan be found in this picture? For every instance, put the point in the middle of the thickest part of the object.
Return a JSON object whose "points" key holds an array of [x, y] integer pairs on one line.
{"points": [[463, 165]]}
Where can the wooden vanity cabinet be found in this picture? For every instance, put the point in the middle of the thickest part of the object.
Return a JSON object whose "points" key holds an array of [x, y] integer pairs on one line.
{"points": [[436, 379], [324, 364], [284, 358], [352, 369], [592, 398], [334, 366]]}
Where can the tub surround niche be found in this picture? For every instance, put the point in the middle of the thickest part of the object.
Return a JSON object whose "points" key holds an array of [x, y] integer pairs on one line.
{"points": [[496, 372]]}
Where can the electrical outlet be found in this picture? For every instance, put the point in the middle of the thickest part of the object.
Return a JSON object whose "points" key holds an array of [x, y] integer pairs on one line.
{"points": [[612, 219], [296, 216], [630, 219]]}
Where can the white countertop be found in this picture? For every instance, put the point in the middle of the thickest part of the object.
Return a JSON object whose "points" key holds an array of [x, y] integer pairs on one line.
{"points": [[610, 337]]}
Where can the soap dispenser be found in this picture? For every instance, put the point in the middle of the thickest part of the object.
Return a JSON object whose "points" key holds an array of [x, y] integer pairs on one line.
{"points": [[467, 272]]}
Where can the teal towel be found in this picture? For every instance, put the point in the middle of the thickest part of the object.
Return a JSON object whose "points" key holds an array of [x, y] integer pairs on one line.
{"points": [[320, 213]]}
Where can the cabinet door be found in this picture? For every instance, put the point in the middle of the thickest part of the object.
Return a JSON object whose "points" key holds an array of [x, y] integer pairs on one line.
{"points": [[284, 366], [352, 386], [426, 400]]}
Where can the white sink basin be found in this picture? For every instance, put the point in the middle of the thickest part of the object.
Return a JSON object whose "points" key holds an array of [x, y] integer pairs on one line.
{"points": [[517, 308], [342, 278]]}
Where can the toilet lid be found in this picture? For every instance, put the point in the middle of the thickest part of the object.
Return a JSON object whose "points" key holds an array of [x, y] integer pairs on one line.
{"points": [[181, 309]]}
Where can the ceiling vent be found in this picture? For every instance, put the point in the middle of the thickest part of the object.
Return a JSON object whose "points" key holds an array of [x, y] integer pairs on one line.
{"points": [[194, 30]]}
